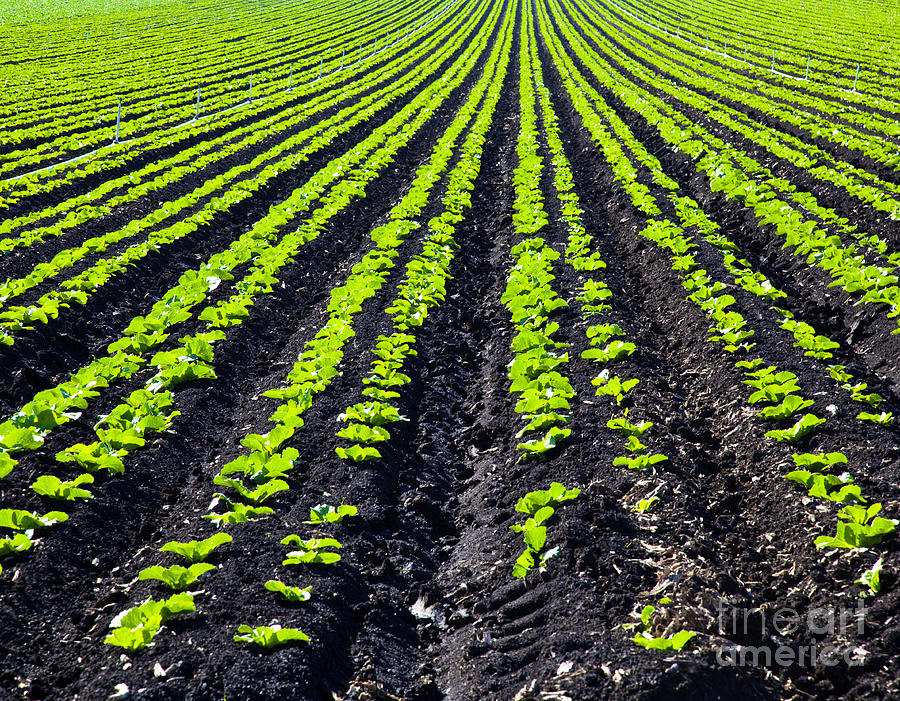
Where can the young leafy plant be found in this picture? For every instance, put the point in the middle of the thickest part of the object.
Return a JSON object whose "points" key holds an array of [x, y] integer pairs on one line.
{"points": [[871, 578], [539, 504], [358, 453], [789, 406], [534, 501], [55, 488], [292, 594], [239, 513], [641, 462], [310, 551], [796, 433], [196, 550], [628, 429], [883, 419], [675, 641], [818, 462], [324, 513], [831, 487], [20, 542], [254, 496], [613, 386], [860, 527], [269, 637], [136, 627], [648, 641], [20, 520], [541, 446], [645, 505], [176, 577]]}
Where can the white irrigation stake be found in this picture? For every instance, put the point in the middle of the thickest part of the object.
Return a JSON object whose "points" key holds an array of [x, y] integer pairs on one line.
{"points": [[725, 51], [118, 121], [251, 89], [291, 78], [856, 78], [773, 59], [197, 115], [321, 63], [342, 58], [807, 69]]}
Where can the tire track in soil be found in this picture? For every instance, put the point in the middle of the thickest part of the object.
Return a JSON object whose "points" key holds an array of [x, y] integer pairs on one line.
{"points": [[84, 331], [159, 487]]}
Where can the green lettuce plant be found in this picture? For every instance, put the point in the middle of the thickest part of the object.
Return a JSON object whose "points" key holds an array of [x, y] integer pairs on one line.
{"points": [[310, 551], [859, 527], [176, 577], [55, 488], [196, 550], [324, 513], [269, 637], [290, 594]]}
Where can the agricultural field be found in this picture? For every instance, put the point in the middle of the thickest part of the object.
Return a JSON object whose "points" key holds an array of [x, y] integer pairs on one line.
{"points": [[449, 349]]}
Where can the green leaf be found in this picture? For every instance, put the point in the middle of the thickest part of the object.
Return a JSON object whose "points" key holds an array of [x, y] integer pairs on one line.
{"points": [[310, 551], [20, 520], [176, 576], [291, 594], [789, 406], [645, 505], [7, 463], [53, 487], [132, 639], [675, 642], [628, 429], [240, 513], [20, 542], [545, 445], [641, 462], [196, 550], [357, 453], [361, 433], [254, 496], [871, 578], [269, 637], [536, 537], [524, 564], [324, 513], [818, 462], [136, 627], [885, 418], [806, 425], [532, 502]]}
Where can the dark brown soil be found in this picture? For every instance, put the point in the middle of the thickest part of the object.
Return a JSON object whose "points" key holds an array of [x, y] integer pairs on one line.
{"points": [[422, 605]]}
